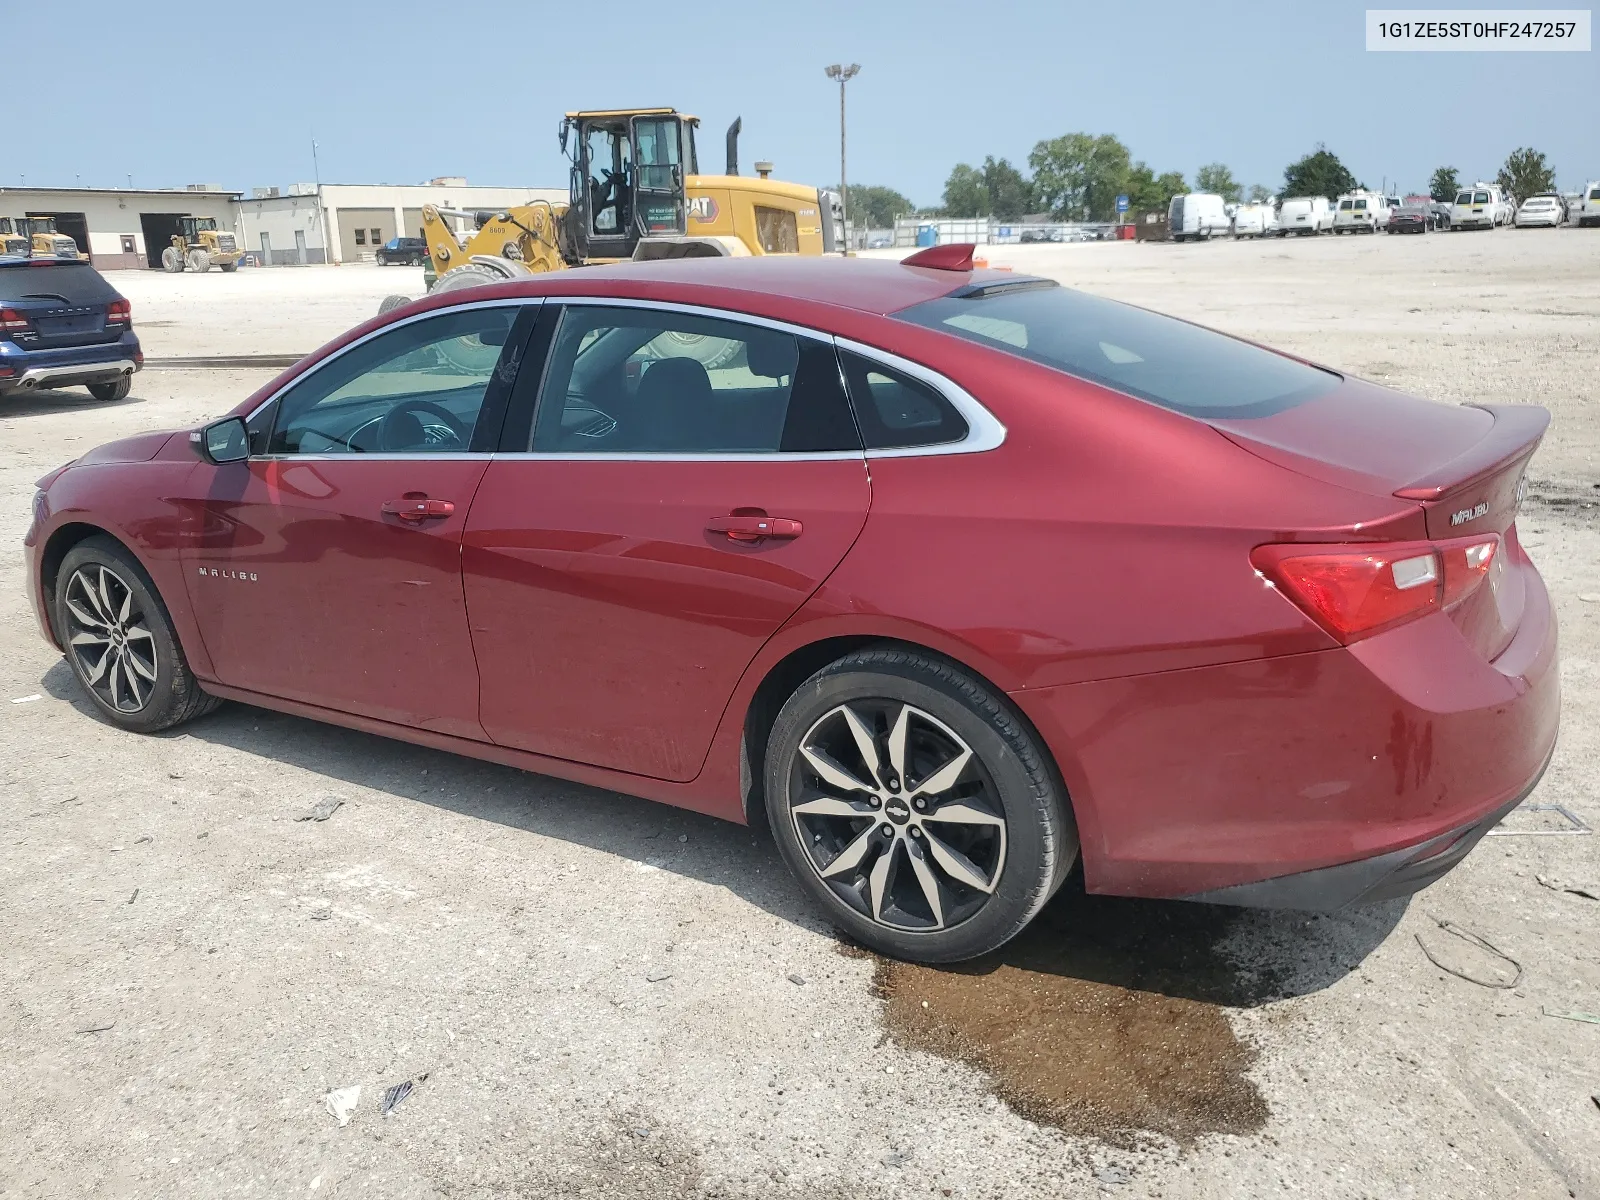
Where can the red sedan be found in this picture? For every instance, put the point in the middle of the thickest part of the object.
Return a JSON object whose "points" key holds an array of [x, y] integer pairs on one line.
{"points": [[956, 578]]}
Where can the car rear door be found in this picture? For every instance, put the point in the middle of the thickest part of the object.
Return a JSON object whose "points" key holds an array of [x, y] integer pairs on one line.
{"points": [[688, 481], [326, 568]]}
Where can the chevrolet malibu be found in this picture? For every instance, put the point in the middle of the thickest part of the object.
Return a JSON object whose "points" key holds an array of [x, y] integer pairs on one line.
{"points": [[957, 579]]}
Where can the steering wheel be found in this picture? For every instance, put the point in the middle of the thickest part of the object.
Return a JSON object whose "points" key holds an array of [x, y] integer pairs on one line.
{"points": [[402, 428]]}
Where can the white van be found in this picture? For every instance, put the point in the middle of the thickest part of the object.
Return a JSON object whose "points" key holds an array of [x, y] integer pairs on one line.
{"points": [[1478, 207], [1304, 216], [1361, 212], [1252, 220], [1587, 211], [1196, 216]]}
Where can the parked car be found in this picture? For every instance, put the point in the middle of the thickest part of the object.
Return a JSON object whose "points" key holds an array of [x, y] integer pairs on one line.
{"points": [[1440, 212], [1409, 219], [403, 251], [1545, 210], [1198, 216], [1251, 220], [1046, 234], [1588, 212], [1304, 216], [1361, 212], [1477, 207], [1305, 663], [62, 325]]}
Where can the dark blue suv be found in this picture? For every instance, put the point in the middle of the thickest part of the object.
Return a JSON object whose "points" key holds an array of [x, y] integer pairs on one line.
{"points": [[62, 324]]}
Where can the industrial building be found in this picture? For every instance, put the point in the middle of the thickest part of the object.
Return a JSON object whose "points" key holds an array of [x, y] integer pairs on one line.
{"points": [[127, 228]]}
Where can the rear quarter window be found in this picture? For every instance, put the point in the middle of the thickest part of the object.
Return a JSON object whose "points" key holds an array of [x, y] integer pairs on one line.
{"points": [[1155, 358], [75, 283]]}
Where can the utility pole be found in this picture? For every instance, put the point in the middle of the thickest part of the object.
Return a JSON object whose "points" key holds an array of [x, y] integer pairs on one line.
{"points": [[844, 75]]}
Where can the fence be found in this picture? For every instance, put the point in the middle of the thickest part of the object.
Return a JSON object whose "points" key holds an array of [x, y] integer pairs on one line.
{"points": [[990, 231]]}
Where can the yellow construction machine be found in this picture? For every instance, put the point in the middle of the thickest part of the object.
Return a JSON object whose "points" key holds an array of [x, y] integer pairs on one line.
{"points": [[12, 243], [38, 238], [636, 193], [199, 245]]}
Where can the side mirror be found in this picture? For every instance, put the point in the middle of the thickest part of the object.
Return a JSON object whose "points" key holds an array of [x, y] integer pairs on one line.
{"points": [[223, 441]]}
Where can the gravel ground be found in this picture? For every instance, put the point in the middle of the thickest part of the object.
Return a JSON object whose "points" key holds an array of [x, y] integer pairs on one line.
{"points": [[594, 995]]}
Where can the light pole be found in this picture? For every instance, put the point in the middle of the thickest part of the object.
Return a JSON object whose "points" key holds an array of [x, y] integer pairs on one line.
{"points": [[844, 75]]}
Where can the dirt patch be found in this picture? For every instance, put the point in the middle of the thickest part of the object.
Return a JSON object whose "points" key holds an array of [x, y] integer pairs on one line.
{"points": [[1104, 1018]]}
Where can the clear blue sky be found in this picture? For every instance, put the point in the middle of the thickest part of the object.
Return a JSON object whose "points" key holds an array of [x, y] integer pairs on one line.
{"points": [[398, 92]]}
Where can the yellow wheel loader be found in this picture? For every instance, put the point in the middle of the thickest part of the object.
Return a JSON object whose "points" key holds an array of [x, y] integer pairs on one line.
{"points": [[636, 193], [43, 241], [200, 245], [12, 243]]}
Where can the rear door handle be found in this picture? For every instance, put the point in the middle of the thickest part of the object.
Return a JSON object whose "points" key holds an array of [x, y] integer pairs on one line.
{"points": [[418, 509], [754, 528]]}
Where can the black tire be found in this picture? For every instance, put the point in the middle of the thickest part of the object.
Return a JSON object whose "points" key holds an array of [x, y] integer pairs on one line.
{"points": [[173, 695], [229, 267], [118, 389], [1007, 770], [390, 303]]}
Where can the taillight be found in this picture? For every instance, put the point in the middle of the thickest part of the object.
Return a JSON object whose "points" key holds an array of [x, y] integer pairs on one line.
{"points": [[119, 312], [11, 320], [1356, 591]]}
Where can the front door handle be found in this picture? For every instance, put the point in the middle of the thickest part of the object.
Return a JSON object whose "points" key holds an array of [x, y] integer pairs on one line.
{"points": [[417, 509], [740, 528]]}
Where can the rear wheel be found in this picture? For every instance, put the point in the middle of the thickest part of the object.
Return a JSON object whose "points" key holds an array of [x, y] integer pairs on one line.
{"points": [[116, 390], [199, 261], [915, 807], [229, 267], [120, 641]]}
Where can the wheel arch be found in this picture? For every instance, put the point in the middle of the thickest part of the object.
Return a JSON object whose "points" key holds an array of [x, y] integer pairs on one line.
{"points": [[782, 678], [54, 552]]}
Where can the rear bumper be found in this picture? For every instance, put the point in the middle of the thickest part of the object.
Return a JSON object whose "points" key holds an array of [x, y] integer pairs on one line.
{"points": [[1377, 763], [68, 365]]}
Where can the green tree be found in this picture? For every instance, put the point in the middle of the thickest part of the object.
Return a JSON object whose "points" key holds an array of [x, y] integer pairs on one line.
{"points": [[877, 206], [964, 192], [1259, 194], [1079, 175], [995, 189], [1319, 173], [1215, 177], [1010, 191], [1146, 191], [1526, 174], [1444, 185]]}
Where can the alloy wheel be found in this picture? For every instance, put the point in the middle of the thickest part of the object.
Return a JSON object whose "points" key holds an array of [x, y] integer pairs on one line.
{"points": [[897, 815], [109, 640]]}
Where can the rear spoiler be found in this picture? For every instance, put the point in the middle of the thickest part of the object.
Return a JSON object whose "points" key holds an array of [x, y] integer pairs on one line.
{"points": [[1516, 432]]}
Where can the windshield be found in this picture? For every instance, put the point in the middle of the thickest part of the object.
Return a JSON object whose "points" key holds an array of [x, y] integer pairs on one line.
{"points": [[1160, 359], [205, 223]]}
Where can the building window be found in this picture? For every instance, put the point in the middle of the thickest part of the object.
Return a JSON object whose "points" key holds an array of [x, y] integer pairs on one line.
{"points": [[377, 237], [128, 246], [361, 237]]}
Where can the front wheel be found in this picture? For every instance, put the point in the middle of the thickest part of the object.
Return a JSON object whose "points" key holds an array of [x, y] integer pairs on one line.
{"points": [[120, 641], [171, 260], [915, 806], [229, 268]]}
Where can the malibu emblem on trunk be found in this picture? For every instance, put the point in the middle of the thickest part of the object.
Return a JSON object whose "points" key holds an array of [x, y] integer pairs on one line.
{"points": [[1469, 514]]}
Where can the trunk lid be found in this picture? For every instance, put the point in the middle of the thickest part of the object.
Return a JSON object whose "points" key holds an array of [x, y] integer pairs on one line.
{"points": [[64, 304], [1463, 465]]}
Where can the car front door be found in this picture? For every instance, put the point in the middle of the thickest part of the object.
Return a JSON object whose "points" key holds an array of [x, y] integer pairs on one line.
{"points": [[327, 567], [688, 482]]}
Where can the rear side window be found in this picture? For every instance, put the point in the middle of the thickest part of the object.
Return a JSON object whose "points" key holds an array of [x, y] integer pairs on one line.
{"points": [[1594, 194], [1361, 204], [896, 412], [1464, 198], [1480, 197], [75, 283], [640, 381], [1159, 359]]}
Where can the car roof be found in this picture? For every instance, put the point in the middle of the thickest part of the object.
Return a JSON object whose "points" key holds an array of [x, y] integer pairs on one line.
{"points": [[879, 286]]}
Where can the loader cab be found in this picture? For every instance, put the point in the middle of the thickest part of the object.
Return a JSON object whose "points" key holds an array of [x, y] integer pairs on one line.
{"points": [[193, 227], [13, 242], [628, 178]]}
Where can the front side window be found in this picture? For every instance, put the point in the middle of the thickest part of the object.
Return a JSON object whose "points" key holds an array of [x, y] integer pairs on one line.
{"points": [[1155, 358], [638, 381], [416, 389]]}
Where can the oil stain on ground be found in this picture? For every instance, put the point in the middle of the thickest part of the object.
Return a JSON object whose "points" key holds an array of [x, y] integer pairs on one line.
{"points": [[1105, 1017]]}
